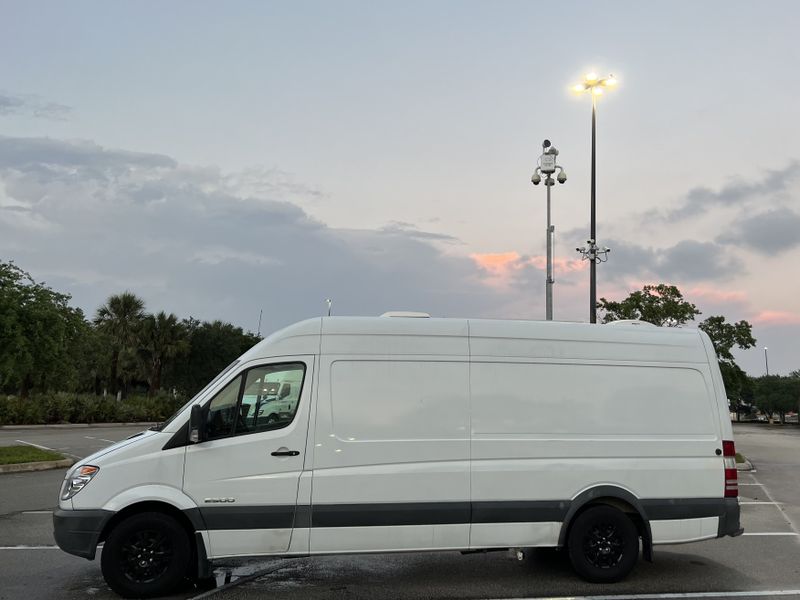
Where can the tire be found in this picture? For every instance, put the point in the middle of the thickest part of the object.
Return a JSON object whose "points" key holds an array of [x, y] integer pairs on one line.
{"points": [[603, 545], [146, 555]]}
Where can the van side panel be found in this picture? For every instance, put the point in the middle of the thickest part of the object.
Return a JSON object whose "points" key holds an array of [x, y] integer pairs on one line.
{"points": [[553, 417], [391, 456]]}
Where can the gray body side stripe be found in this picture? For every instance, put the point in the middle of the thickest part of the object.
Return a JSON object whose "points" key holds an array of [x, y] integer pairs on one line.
{"points": [[431, 513]]}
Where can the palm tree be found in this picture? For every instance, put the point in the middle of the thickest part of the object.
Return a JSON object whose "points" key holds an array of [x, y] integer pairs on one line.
{"points": [[119, 318], [162, 337]]}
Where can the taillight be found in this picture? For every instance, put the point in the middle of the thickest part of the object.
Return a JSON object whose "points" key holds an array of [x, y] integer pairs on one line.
{"points": [[731, 478]]}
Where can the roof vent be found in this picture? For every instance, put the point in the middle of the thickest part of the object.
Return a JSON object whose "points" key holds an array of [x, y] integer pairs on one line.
{"points": [[406, 314], [636, 322]]}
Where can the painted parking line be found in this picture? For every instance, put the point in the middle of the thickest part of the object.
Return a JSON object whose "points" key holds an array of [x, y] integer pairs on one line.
{"points": [[37, 512], [29, 547], [89, 437], [753, 594], [760, 502], [779, 507], [34, 445], [75, 456], [787, 533]]}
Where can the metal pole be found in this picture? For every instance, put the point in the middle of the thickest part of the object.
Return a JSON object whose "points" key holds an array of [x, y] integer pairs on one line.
{"points": [[593, 232], [549, 280], [766, 360]]}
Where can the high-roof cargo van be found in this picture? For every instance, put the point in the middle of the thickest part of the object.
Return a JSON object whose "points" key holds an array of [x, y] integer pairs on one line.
{"points": [[355, 435]]}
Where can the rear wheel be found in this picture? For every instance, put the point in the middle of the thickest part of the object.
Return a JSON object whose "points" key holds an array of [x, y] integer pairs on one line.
{"points": [[146, 555], [603, 544]]}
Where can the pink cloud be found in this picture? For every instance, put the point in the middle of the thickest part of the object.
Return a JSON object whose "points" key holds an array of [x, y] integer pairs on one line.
{"points": [[715, 295], [497, 264], [776, 317], [501, 267]]}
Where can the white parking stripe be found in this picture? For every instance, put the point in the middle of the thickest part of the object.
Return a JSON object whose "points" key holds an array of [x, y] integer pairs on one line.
{"points": [[759, 593], [772, 533], [105, 440], [34, 445], [37, 512], [75, 456], [760, 502], [29, 548]]}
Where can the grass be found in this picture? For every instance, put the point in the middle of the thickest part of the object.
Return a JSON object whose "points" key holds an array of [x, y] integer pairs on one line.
{"points": [[12, 455], [740, 458]]}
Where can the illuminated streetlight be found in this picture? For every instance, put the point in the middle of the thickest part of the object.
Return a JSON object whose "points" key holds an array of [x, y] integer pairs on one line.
{"points": [[594, 85]]}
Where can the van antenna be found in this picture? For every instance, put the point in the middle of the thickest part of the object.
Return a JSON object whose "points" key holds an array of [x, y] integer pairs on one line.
{"points": [[329, 302], [260, 312]]}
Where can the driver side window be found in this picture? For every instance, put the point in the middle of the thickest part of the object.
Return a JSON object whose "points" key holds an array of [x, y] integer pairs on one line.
{"points": [[221, 416], [260, 399]]}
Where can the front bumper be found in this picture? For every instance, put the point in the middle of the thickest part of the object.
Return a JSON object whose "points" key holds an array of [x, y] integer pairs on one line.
{"points": [[78, 531], [729, 519]]}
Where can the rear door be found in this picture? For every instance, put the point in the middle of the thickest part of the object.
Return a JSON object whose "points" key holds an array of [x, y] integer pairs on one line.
{"points": [[244, 476]]}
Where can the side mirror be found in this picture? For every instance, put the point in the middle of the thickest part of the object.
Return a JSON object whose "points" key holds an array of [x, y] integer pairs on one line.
{"points": [[197, 424]]}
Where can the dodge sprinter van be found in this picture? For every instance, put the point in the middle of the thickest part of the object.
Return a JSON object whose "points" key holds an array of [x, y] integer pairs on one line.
{"points": [[420, 434]]}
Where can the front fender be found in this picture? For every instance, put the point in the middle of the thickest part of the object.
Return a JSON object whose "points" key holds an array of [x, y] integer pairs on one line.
{"points": [[150, 493]]}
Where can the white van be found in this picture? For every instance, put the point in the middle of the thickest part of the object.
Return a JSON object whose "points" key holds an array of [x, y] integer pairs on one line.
{"points": [[415, 434]]}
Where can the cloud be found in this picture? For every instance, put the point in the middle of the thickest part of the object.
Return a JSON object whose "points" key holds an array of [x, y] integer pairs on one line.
{"points": [[688, 260], [700, 200], [512, 269], [770, 232], [410, 230], [94, 221], [30, 105], [776, 317]]}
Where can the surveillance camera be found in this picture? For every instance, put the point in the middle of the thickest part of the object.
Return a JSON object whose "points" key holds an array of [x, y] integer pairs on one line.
{"points": [[536, 179], [562, 177], [546, 144]]}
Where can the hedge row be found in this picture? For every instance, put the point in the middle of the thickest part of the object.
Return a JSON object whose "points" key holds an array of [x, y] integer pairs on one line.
{"points": [[62, 407]]}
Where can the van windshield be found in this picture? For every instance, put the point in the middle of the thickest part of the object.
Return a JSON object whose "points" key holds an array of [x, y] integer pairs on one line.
{"points": [[222, 373]]}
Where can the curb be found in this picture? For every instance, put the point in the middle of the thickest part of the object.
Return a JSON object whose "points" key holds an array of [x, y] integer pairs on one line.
{"points": [[76, 425], [44, 465]]}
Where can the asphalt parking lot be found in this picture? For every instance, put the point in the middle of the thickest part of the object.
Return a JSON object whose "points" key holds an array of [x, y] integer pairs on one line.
{"points": [[765, 562]]}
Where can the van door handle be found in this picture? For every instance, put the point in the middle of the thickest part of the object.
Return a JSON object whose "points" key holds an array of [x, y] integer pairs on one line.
{"points": [[284, 451]]}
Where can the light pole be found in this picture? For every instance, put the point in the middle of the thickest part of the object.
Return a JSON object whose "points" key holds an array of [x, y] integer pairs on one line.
{"points": [[594, 85], [547, 166], [766, 360]]}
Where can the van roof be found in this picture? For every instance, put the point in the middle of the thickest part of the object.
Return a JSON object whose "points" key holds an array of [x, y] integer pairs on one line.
{"points": [[621, 341]]}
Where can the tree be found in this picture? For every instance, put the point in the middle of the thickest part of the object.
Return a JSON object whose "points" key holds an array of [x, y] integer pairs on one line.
{"points": [[38, 329], [212, 347], [162, 338], [725, 336], [661, 305], [777, 394], [120, 318]]}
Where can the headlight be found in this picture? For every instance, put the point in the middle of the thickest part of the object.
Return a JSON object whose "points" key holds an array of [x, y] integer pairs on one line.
{"points": [[77, 480]]}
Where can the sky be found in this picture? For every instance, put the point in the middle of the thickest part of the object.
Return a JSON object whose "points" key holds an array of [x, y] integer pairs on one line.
{"points": [[223, 159]]}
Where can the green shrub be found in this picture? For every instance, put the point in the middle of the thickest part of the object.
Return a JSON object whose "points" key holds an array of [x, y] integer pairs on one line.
{"points": [[63, 407]]}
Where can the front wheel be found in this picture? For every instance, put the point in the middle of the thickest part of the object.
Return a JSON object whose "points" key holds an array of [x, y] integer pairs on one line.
{"points": [[603, 545], [146, 555]]}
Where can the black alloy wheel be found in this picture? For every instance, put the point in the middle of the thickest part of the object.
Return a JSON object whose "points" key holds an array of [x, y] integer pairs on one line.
{"points": [[603, 544], [146, 555]]}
